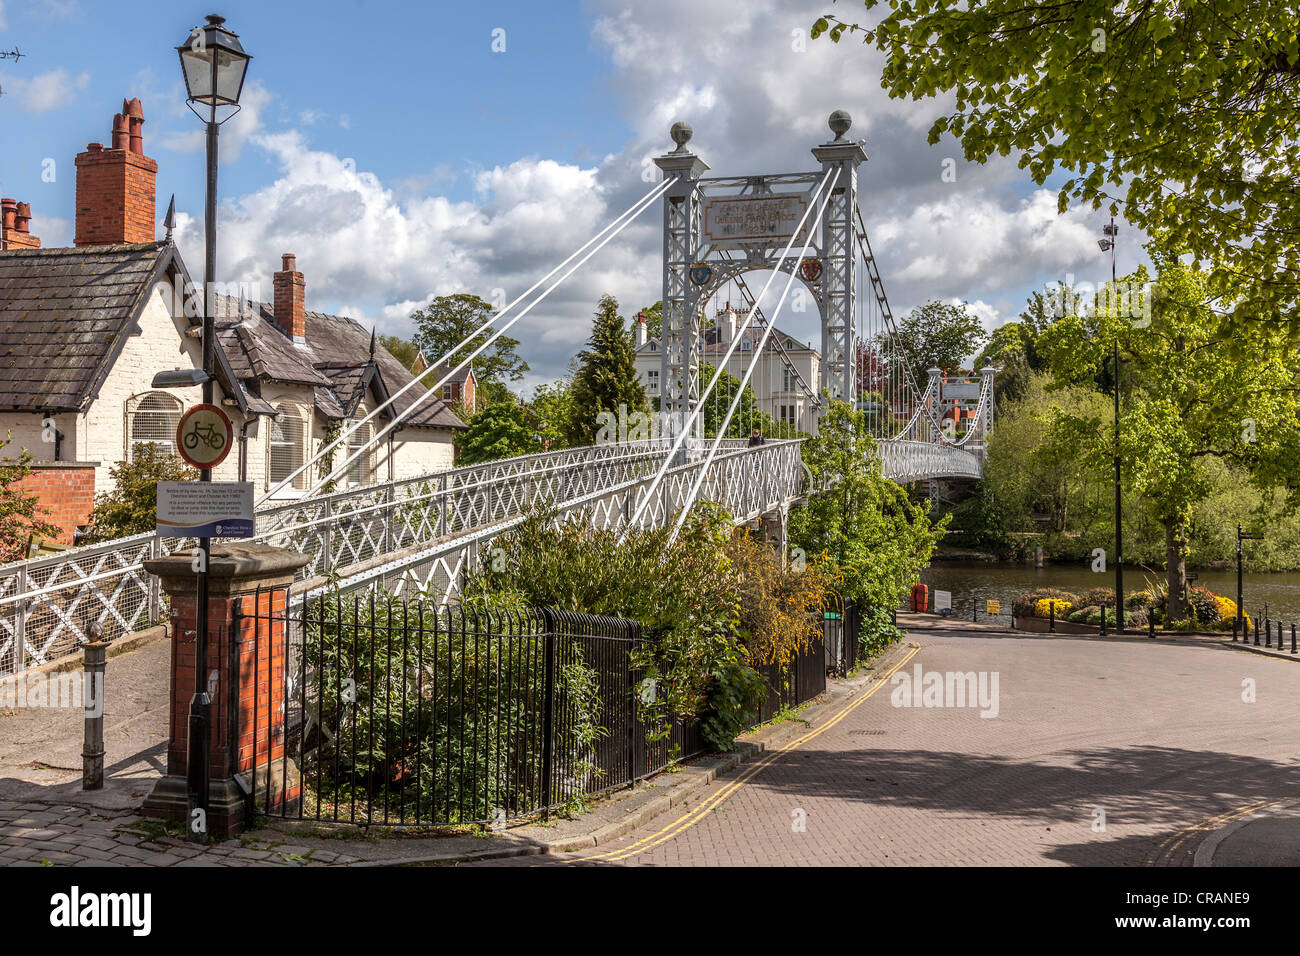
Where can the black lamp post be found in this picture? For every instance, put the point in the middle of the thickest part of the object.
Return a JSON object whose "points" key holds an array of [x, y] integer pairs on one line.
{"points": [[1110, 231], [214, 65]]}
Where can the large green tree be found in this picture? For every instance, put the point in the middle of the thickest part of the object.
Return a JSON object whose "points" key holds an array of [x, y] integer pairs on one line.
{"points": [[606, 375], [449, 319], [868, 524], [1185, 401], [1180, 116], [501, 430], [939, 334]]}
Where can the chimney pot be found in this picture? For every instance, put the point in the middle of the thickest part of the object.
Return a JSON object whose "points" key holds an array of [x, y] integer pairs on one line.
{"points": [[116, 187], [289, 262], [121, 132], [9, 208]]}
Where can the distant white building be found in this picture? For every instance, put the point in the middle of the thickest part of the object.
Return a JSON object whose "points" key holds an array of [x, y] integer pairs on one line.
{"points": [[775, 382]]}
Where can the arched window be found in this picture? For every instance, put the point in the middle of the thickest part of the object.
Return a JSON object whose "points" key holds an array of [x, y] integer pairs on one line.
{"points": [[288, 447], [153, 421], [359, 471]]}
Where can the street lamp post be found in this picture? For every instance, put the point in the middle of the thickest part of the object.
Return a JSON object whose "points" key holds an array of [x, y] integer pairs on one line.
{"points": [[1241, 615], [214, 64], [1110, 231]]}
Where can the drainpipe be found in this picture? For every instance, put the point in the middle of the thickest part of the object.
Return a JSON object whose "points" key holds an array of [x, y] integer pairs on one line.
{"points": [[243, 447]]}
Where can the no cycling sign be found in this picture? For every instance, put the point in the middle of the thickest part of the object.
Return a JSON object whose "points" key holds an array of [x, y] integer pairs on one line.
{"points": [[203, 436]]}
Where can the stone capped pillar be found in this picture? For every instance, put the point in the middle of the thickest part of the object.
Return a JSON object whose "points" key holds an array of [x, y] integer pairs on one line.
{"points": [[247, 675]]}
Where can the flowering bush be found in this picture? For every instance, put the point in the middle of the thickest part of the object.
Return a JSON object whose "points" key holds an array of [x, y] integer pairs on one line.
{"points": [[1044, 607]]}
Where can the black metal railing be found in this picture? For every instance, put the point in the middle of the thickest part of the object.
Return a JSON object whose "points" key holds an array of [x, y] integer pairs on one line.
{"points": [[799, 681], [406, 713], [841, 635]]}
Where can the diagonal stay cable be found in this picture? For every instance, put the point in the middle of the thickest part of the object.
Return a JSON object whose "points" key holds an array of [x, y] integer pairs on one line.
{"points": [[632, 211], [722, 364], [749, 371], [639, 207]]}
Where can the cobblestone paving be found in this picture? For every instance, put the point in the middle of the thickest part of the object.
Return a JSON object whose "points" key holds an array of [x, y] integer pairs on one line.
{"points": [[1157, 738], [37, 834]]}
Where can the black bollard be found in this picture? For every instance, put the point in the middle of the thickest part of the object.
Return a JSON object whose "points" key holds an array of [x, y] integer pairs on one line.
{"points": [[1292, 638], [1051, 616], [1257, 632], [1103, 620], [92, 698], [1235, 622], [1151, 628]]}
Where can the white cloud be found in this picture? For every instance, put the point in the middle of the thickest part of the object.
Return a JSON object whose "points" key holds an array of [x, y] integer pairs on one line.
{"points": [[235, 134], [757, 105], [53, 231], [47, 91]]}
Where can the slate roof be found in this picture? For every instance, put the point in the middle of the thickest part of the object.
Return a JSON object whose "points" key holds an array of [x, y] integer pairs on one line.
{"points": [[335, 362], [63, 313]]}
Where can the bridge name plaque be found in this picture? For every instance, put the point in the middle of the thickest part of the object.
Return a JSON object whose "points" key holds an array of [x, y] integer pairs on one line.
{"points": [[732, 221]]}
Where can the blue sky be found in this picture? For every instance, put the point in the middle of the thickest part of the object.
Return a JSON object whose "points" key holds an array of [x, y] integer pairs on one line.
{"points": [[400, 157]]}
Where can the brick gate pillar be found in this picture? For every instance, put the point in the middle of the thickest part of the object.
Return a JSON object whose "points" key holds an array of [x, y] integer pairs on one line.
{"points": [[248, 595]]}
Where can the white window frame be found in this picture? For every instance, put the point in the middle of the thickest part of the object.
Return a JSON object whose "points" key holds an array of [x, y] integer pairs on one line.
{"points": [[292, 414], [361, 471], [160, 404]]}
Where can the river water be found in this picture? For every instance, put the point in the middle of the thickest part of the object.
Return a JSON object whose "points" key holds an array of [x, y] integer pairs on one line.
{"points": [[974, 583]]}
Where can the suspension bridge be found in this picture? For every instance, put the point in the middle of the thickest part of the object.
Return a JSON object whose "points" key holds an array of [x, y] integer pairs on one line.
{"points": [[424, 533]]}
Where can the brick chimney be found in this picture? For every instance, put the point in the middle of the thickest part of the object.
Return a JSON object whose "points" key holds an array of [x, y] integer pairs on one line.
{"points": [[116, 187], [290, 290], [15, 225]]}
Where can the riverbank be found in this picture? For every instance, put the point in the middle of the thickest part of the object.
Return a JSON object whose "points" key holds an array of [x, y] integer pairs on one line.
{"points": [[973, 583]]}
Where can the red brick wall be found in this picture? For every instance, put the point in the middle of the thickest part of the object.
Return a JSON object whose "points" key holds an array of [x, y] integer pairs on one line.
{"points": [[66, 490], [115, 197]]}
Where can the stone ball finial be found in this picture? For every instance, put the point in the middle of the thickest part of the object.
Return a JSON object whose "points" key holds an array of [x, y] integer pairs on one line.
{"points": [[681, 133], [839, 122]]}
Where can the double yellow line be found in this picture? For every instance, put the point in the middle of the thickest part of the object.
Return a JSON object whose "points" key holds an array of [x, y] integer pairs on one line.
{"points": [[690, 819], [1171, 845]]}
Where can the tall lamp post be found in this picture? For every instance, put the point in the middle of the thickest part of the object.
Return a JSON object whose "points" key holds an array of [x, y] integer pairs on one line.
{"points": [[214, 65], [1110, 231]]}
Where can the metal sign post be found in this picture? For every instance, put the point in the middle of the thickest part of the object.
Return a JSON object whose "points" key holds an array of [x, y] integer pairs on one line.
{"points": [[203, 438]]}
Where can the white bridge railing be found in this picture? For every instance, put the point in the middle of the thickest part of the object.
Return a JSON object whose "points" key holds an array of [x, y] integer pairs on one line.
{"points": [[746, 482], [904, 461], [48, 604]]}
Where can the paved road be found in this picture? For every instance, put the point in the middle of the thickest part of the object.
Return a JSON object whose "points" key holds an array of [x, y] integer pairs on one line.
{"points": [[1155, 736]]}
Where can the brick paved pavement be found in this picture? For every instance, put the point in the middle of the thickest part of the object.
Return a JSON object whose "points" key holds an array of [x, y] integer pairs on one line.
{"points": [[1157, 737]]}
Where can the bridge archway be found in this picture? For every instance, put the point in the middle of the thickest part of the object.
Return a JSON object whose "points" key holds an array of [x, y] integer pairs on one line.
{"points": [[716, 226]]}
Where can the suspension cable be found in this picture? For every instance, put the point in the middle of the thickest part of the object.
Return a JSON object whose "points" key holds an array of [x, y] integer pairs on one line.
{"points": [[632, 211], [749, 371], [721, 366]]}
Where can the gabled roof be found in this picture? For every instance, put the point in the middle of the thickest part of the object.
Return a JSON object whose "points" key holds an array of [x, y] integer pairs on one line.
{"points": [[460, 378], [335, 361], [63, 316]]}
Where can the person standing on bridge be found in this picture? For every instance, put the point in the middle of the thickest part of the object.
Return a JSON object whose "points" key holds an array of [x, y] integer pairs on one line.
{"points": [[756, 439]]}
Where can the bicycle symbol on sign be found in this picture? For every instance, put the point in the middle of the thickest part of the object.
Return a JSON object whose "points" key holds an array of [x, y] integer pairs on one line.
{"points": [[207, 433]]}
